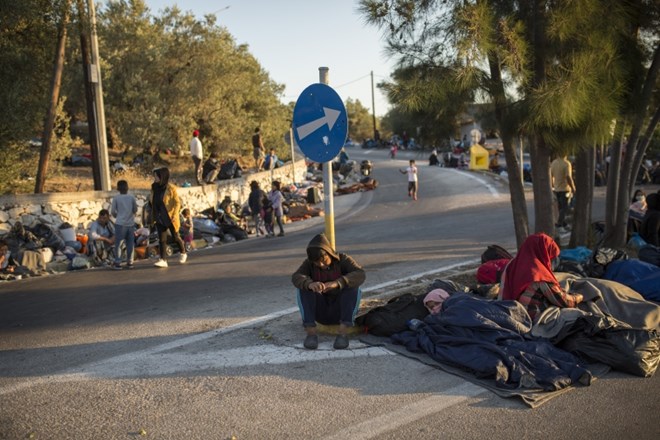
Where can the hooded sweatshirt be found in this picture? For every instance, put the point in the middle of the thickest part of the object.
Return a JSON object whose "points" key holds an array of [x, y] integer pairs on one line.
{"points": [[342, 269]]}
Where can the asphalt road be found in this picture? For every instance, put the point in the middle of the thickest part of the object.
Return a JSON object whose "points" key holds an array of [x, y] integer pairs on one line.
{"points": [[212, 349]]}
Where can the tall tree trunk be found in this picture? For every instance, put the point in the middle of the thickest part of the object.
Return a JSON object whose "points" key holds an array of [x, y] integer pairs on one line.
{"points": [[539, 153], [613, 183], [58, 67], [89, 94], [516, 188], [617, 238], [643, 144], [585, 167]]}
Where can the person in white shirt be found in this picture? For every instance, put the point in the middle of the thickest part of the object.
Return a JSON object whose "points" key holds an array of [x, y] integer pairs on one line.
{"points": [[412, 179], [197, 153]]}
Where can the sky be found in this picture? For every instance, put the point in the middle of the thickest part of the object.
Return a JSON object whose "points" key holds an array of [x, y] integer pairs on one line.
{"points": [[291, 39]]}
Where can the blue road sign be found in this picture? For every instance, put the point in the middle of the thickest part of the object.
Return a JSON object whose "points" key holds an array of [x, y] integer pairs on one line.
{"points": [[320, 122]]}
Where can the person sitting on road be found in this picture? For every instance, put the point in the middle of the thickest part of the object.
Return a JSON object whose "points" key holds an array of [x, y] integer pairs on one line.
{"points": [[433, 158], [529, 279], [638, 206], [329, 293], [494, 164], [101, 238]]}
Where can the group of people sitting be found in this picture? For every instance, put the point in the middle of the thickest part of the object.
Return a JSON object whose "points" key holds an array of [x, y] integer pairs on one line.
{"points": [[522, 339]]}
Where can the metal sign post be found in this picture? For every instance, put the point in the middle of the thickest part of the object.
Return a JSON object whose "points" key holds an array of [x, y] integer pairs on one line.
{"points": [[320, 127]]}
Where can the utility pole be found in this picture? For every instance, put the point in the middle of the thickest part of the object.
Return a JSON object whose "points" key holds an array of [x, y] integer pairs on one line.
{"points": [[89, 94], [44, 156], [328, 185], [373, 104], [95, 78]]}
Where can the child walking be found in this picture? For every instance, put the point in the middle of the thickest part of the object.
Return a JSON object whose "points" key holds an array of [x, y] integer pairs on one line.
{"points": [[187, 232], [276, 199], [412, 179], [123, 209]]}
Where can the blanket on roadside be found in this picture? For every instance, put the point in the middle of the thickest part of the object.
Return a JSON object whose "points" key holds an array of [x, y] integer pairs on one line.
{"points": [[614, 327], [489, 341]]}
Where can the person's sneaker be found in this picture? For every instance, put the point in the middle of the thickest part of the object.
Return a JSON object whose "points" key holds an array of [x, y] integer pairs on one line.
{"points": [[116, 266], [311, 342], [160, 263], [183, 258], [341, 342], [130, 266], [281, 234]]}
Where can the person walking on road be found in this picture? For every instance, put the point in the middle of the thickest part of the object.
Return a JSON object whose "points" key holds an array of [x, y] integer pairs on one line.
{"points": [[411, 171], [123, 209], [276, 199], [197, 153], [561, 173], [329, 293], [165, 214], [258, 150], [256, 205]]}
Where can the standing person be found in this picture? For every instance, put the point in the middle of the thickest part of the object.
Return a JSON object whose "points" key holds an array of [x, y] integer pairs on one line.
{"points": [[529, 279], [255, 202], [393, 149], [187, 228], [197, 153], [561, 173], [165, 211], [123, 209], [276, 199], [411, 171], [267, 214], [101, 238], [328, 286], [258, 150]]}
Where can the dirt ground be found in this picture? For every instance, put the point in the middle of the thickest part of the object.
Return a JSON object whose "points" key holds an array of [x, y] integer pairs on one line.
{"points": [[68, 178]]}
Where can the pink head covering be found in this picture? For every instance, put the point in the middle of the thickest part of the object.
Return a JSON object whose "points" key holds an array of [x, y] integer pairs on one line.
{"points": [[437, 295]]}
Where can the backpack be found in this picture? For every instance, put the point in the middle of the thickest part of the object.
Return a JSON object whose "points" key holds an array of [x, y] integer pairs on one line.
{"points": [[392, 317], [491, 271], [495, 252], [601, 257]]}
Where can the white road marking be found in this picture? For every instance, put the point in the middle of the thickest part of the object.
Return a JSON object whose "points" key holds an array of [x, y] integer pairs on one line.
{"points": [[169, 363], [407, 414], [490, 187], [137, 357]]}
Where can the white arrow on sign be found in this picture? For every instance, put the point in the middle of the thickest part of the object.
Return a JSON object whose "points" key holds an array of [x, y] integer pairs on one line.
{"points": [[330, 118]]}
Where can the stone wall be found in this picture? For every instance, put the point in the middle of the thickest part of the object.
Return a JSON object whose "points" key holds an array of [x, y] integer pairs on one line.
{"points": [[80, 209]]}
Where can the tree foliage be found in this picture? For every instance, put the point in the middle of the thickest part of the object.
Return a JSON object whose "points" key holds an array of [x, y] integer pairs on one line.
{"points": [[426, 102], [552, 70], [27, 32], [360, 121], [165, 76]]}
